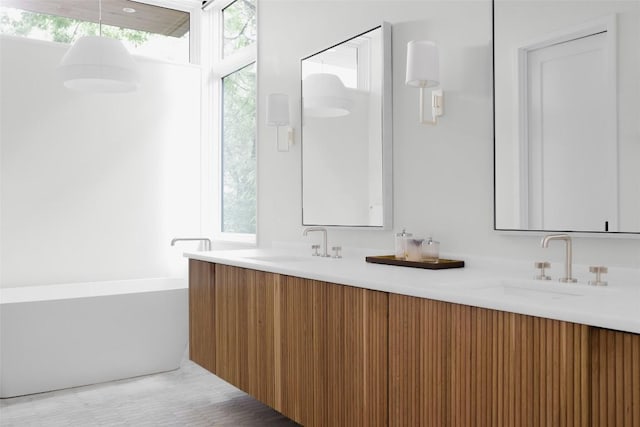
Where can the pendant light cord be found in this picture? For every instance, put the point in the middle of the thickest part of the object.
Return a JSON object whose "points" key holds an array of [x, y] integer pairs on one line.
{"points": [[100, 17]]}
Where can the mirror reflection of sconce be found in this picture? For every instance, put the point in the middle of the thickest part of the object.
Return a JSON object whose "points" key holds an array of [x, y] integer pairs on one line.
{"points": [[278, 115], [325, 96], [423, 72]]}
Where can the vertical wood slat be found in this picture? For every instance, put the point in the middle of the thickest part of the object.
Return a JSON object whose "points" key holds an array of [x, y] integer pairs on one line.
{"points": [[615, 373], [538, 380], [201, 314], [634, 353], [327, 365], [494, 368], [585, 380], [611, 379], [596, 400]]}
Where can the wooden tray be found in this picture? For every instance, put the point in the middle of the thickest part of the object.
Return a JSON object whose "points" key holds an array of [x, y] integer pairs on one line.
{"points": [[439, 265]]}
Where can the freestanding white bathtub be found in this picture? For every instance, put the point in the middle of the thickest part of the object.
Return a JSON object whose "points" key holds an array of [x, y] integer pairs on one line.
{"points": [[60, 336]]}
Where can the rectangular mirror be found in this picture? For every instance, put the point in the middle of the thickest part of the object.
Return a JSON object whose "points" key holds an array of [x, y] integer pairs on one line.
{"points": [[567, 115], [346, 133]]}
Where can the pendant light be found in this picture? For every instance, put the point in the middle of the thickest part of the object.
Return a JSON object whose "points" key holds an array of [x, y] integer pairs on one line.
{"points": [[98, 64], [325, 96]]}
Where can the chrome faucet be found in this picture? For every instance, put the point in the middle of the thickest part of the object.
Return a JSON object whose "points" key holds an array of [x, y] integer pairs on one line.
{"points": [[207, 242], [567, 261], [324, 238]]}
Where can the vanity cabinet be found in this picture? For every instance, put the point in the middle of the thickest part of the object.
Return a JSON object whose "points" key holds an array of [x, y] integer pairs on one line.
{"points": [[615, 378], [314, 351], [201, 311], [245, 318], [332, 355], [451, 364]]}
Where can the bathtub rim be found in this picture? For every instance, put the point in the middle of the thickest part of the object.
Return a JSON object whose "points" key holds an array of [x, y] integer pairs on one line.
{"points": [[63, 291]]}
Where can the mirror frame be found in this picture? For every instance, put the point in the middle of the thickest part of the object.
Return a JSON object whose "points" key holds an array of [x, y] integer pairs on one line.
{"points": [[386, 133], [591, 233]]}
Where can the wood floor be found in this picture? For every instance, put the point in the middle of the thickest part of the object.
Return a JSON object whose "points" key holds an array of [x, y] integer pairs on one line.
{"points": [[189, 396]]}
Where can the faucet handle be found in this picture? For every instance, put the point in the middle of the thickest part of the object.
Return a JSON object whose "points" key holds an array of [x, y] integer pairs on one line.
{"points": [[598, 270], [336, 251], [315, 249], [542, 265]]}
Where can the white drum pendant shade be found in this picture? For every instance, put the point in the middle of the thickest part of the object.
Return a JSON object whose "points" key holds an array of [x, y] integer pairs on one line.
{"points": [[98, 64], [325, 96]]}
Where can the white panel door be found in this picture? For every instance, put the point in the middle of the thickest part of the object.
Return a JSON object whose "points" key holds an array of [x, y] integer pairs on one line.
{"points": [[572, 178]]}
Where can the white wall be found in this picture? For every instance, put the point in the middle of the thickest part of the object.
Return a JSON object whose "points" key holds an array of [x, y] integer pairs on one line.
{"points": [[95, 186], [456, 156]]}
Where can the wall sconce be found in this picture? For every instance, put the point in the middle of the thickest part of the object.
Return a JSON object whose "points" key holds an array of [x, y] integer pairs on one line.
{"points": [[278, 115], [423, 72]]}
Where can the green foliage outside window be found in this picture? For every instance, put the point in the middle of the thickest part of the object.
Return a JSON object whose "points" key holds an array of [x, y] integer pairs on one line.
{"points": [[239, 25], [61, 29], [239, 151]]}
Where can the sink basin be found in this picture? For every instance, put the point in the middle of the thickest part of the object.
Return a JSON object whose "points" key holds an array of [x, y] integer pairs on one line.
{"points": [[527, 292], [280, 258], [527, 289]]}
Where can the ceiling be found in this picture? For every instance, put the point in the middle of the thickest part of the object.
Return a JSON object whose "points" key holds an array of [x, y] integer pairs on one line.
{"points": [[153, 19]]}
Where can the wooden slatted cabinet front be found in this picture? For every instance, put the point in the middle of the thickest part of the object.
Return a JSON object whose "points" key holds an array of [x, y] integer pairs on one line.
{"points": [[328, 354], [314, 351], [456, 365]]}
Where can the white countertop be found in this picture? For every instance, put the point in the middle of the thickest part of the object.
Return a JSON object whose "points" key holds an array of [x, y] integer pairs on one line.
{"points": [[488, 283]]}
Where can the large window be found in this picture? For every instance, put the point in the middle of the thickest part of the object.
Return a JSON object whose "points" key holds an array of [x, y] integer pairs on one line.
{"points": [[234, 66], [239, 151], [144, 29]]}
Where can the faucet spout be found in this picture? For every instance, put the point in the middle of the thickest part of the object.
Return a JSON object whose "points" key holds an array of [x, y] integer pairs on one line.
{"points": [[568, 254], [324, 238]]}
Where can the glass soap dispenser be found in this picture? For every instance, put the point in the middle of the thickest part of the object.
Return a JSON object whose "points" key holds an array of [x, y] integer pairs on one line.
{"points": [[401, 244], [430, 250]]}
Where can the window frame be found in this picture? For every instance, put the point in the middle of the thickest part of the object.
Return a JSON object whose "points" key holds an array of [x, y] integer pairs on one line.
{"points": [[195, 27], [215, 69]]}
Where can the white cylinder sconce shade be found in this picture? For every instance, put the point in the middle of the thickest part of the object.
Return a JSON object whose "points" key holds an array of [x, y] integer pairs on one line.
{"points": [[423, 71], [325, 96], [98, 64], [423, 68], [278, 109], [278, 115]]}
